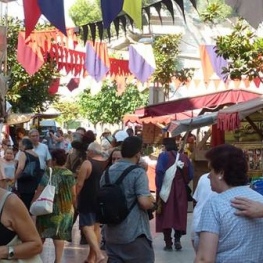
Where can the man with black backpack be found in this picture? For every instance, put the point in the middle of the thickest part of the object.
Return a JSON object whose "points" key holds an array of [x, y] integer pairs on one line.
{"points": [[128, 237]]}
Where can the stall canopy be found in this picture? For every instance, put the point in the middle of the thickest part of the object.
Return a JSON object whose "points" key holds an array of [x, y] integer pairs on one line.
{"points": [[177, 127], [165, 119], [229, 118], [212, 100]]}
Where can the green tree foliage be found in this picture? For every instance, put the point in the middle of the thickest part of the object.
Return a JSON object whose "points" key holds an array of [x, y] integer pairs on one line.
{"points": [[243, 50], [69, 111], [27, 93], [107, 106], [85, 11], [165, 49], [213, 11]]}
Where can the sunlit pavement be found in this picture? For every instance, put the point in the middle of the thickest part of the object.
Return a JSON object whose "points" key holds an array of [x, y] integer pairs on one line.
{"points": [[77, 253]]}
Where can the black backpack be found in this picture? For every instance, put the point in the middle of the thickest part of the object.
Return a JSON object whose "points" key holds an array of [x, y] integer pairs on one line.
{"points": [[111, 207]]}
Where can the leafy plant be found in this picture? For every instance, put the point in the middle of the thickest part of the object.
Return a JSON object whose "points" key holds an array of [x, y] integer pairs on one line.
{"points": [[214, 11], [165, 49], [107, 106], [243, 50]]}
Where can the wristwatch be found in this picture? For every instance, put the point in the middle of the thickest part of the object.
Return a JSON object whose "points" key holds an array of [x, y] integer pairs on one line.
{"points": [[11, 253]]}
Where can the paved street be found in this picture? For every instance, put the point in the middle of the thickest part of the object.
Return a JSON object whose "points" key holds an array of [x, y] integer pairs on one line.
{"points": [[77, 253]]}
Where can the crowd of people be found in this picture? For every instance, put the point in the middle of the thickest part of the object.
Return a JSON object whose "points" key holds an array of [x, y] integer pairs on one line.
{"points": [[227, 219]]}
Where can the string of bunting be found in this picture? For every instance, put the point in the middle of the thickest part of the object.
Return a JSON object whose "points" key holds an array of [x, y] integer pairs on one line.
{"points": [[115, 15]]}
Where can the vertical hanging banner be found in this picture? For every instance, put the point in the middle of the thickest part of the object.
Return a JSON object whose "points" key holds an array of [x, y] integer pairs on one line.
{"points": [[134, 9], [141, 61], [29, 55], [211, 62], [32, 13], [53, 10], [110, 9], [97, 62]]}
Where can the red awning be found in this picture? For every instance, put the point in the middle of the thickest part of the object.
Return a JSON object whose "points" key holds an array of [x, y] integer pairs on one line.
{"points": [[165, 119], [230, 117], [212, 100]]}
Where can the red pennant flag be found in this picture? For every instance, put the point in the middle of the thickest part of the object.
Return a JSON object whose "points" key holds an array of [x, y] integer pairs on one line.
{"points": [[29, 55], [32, 14]]}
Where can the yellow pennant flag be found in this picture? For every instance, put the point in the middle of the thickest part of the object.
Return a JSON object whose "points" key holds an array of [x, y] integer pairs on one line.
{"points": [[134, 9]]}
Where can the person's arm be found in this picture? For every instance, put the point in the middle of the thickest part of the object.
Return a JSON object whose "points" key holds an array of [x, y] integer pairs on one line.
{"points": [[160, 170], [83, 174], [147, 202], [247, 207], [19, 220], [207, 248], [73, 193], [21, 164]]}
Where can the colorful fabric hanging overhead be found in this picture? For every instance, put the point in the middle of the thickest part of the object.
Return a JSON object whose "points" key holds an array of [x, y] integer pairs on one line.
{"points": [[141, 61], [211, 62], [97, 61], [134, 10], [53, 10], [29, 55], [73, 84], [54, 86], [32, 51], [110, 10]]}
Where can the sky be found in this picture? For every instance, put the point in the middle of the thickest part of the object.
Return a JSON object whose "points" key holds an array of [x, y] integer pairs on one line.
{"points": [[15, 8]]}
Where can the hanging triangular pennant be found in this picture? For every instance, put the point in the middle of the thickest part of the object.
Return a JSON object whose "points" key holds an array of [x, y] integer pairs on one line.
{"points": [[158, 7], [148, 13], [169, 6], [257, 81], [134, 10], [53, 10], [92, 28], [181, 5], [110, 9], [32, 13], [124, 23], [116, 23], [193, 3], [85, 29], [100, 29], [108, 33]]}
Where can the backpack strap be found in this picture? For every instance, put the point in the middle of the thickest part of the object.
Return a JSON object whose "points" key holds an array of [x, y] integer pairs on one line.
{"points": [[125, 172], [119, 180], [107, 177]]}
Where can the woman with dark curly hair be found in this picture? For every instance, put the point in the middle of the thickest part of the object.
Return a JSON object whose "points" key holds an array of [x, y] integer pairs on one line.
{"points": [[58, 225], [222, 235]]}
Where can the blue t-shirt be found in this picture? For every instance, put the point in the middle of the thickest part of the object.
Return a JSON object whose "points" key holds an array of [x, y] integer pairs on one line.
{"points": [[135, 184]]}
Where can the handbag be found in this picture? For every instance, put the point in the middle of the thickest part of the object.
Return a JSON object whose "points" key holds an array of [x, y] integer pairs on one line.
{"points": [[168, 179], [44, 203], [29, 171], [16, 241]]}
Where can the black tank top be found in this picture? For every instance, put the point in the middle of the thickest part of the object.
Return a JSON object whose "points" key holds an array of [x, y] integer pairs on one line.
{"points": [[6, 234], [88, 194]]}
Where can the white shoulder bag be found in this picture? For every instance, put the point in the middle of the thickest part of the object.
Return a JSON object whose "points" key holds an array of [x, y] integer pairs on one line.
{"points": [[44, 203], [168, 180]]}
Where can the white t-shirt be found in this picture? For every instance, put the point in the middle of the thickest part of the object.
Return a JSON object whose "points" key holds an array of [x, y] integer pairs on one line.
{"points": [[202, 193], [43, 153]]}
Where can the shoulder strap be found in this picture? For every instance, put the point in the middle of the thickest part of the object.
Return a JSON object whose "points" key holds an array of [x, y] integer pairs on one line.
{"points": [[2, 202], [125, 172], [107, 177]]}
